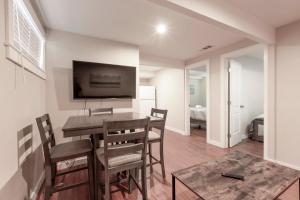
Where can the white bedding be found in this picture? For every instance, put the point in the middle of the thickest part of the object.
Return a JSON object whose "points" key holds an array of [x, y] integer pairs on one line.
{"points": [[259, 116], [198, 113]]}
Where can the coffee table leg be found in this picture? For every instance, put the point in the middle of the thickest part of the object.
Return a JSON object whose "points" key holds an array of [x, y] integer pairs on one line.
{"points": [[173, 188]]}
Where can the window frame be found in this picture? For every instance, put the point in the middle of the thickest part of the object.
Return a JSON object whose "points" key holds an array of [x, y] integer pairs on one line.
{"points": [[12, 52]]}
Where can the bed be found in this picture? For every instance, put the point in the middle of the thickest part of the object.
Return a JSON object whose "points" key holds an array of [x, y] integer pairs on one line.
{"points": [[256, 128], [198, 115]]}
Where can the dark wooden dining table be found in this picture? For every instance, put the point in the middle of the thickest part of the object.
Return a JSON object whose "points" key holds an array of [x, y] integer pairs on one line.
{"points": [[93, 125]]}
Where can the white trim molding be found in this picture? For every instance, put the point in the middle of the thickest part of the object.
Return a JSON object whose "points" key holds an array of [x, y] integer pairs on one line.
{"points": [[14, 56], [224, 88], [205, 63], [216, 143], [283, 164], [176, 130]]}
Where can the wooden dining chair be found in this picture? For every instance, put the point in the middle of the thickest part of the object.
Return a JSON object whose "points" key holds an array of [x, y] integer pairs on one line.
{"points": [[157, 138], [128, 155], [100, 111], [55, 153]]}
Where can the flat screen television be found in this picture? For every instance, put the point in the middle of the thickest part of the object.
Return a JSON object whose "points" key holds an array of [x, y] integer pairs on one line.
{"points": [[100, 80]]}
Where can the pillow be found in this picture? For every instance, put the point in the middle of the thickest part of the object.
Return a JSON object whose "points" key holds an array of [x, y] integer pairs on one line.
{"points": [[199, 106]]}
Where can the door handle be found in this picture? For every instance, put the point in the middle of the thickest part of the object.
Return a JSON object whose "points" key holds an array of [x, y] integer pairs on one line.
{"points": [[242, 106]]}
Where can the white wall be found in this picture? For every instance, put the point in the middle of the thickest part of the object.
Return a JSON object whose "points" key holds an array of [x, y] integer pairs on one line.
{"points": [[145, 82], [157, 61], [22, 99], [288, 94], [61, 49], [199, 97], [252, 89], [169, 84]]}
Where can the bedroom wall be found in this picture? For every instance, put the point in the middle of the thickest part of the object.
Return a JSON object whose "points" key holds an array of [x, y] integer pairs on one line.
{"points": [[288, 95], [199, 97], [252, 89], [61, 49], [203, 92], [22, 99]]}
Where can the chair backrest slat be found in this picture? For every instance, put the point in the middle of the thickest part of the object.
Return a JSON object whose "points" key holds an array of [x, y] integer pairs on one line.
{"points": [[47, 135], [100, 111], [24, 143], [125, 137], [131, 142], [124, 125], [119, 150], [160, 113], [47, 128], [44, 117]]}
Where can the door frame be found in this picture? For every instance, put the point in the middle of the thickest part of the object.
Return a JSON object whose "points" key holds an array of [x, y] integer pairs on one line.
{"points": [[187, 97], [224, 92]]}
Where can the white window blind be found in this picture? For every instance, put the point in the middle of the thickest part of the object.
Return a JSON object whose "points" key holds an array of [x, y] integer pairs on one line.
{"points": [[26, 37]]}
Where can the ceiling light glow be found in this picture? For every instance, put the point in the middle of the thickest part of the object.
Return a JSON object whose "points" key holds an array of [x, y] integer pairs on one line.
{"points": [[161, 29]]}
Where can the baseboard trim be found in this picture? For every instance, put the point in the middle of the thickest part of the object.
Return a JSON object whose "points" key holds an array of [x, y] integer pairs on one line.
{"points": [[60, 166], [283, 164], [38, 186], [176, 130], [215, 143]]}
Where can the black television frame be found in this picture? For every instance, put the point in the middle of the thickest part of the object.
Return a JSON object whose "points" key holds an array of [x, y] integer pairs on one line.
{"points": [[103, 97]]}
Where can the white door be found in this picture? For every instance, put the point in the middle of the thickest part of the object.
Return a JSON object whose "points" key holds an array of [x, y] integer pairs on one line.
{"points": [[235, 102]]}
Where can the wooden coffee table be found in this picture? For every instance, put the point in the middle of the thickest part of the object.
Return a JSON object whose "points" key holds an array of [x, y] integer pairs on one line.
{"points": [[263, 179]]}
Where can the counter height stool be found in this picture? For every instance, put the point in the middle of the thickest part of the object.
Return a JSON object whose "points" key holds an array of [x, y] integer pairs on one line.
{"points": [[100, 111], [128, 155], [54, 153], [157, 138]]}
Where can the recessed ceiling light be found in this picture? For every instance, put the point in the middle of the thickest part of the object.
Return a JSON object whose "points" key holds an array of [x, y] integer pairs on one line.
{"points": [[161, 28]]}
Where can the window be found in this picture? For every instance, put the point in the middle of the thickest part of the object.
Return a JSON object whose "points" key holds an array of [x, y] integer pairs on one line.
{"points": [[26, 43]]}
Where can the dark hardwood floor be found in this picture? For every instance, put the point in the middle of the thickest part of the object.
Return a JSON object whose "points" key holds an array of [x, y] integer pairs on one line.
{"points": [[198, 132], [180, 152]]}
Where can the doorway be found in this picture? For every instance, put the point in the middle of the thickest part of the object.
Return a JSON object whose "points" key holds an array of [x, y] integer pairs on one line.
{"points": [[197, 99], [245, 97]]}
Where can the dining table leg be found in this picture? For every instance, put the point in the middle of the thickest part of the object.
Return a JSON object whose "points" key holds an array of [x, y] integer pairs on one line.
{"points": [[94, 168], [173, 188]]}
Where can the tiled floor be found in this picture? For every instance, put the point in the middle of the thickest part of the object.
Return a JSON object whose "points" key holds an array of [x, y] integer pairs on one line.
{"points": [[180, 152]]}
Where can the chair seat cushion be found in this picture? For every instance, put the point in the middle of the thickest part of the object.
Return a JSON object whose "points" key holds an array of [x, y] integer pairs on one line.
{"points": [[70, 150], [153, 136], [119, 160]]}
